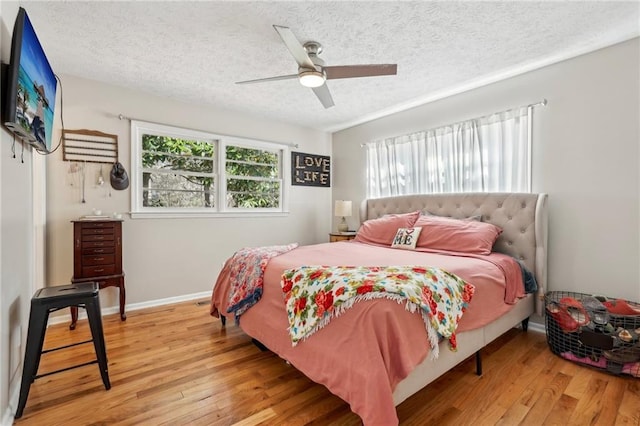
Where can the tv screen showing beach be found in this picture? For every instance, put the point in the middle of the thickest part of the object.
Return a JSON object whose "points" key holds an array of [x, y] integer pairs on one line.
{"points": [[36, 91]]}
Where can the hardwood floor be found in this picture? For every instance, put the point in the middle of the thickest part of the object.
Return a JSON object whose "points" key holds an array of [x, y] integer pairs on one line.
{"points": [[176, 365]]}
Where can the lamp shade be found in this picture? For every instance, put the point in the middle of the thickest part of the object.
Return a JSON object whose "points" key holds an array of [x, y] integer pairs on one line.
{"points": [[342, 208]]}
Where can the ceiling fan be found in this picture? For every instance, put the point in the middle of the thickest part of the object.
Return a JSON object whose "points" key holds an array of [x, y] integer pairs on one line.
{"points": [[313, 73]]}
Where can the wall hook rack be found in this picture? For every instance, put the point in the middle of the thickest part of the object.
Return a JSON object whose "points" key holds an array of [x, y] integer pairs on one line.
{"points": [[91, 146]]}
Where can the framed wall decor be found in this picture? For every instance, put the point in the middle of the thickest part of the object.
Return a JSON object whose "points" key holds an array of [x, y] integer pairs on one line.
{"points": [[310, 169]]}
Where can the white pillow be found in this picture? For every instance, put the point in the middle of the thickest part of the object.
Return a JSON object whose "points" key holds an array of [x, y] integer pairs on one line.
{"points": [[406, 238]]}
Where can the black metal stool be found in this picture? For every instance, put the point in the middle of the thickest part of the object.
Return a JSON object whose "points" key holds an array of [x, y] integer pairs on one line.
{"points": [[51, 299]]}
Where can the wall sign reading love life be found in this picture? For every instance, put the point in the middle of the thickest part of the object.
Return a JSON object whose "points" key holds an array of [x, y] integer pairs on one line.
{"points": [[310, 169]]}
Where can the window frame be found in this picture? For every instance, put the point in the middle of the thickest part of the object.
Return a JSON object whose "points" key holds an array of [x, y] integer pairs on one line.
{"points": [[251, 144], [220, 142]]}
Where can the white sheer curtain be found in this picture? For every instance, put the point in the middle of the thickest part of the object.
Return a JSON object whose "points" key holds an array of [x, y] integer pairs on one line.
{"points": [[487, 154]]}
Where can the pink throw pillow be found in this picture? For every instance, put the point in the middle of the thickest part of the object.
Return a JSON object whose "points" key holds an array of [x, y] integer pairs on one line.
{"points": [[383, 230], [447, 234]]}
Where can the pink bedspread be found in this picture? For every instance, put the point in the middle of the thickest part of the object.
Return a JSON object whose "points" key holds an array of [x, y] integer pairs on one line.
{"points": [[363, 354]]}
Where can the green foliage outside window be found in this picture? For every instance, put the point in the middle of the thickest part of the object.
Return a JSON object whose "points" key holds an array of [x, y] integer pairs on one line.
{"points": [[181, 173], [252, 177]]}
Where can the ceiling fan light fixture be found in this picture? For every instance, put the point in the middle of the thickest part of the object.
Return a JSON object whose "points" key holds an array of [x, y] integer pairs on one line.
{"points": [[312, 78]]}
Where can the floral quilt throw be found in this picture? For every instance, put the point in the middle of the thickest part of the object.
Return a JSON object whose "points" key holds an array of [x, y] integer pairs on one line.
{"points": [[315, 294], [246, 276]]}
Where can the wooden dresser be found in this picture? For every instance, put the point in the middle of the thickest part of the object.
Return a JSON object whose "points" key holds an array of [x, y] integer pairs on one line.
{"points": [[97, 256]]}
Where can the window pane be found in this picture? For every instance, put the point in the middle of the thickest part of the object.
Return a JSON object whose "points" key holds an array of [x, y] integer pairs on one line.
{"points": [[169, 162], [176, 190], [161, 152], [168, 198], [177, 146], [243, 169], [243, 193], [251, 162], [263, 191], [251, 154]]}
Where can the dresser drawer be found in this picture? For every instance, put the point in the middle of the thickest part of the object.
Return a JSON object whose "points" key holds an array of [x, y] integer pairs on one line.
{"points": [[105, 237], [98, 270], [99, 259], [97, 231], [104, 244], [98, 225], [99, 249]]}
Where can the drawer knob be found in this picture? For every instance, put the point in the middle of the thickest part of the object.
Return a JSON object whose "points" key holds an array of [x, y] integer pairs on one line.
{"points": [[99, 251], [99, 258], [99, 270]]}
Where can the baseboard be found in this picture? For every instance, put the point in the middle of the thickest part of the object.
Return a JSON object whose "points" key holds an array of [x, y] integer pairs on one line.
{"points": [[7, 419], [134, 306], [537, 327]]}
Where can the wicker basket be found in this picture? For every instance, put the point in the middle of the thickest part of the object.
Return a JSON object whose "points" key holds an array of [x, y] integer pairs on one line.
{"points": [[583, 329]]}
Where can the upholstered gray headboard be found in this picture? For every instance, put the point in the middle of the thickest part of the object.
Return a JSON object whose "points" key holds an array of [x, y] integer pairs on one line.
{"points": [[522, 217]]}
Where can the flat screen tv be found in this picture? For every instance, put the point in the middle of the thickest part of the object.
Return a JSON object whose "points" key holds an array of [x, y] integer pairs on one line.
{"points": [[30, 91]]}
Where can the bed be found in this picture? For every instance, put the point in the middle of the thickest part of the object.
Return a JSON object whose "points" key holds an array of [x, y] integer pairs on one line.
{"points": [[375, 354]]}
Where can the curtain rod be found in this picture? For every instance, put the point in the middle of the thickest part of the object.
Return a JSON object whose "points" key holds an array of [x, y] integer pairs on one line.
{"points": [[543, 102], [124, 117]]}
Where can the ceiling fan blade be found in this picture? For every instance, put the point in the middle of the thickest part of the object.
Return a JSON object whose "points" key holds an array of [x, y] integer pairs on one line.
{"points": [[324, 95], [294, 46], [353, 71], [260, 80]]}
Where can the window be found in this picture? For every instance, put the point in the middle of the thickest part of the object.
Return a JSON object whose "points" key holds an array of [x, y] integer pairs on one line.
{"points": [[487, 154], [253, 177], [180, 172]]}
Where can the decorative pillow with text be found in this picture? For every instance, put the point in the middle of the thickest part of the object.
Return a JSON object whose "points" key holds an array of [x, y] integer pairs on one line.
{"points": [[406, 238]]}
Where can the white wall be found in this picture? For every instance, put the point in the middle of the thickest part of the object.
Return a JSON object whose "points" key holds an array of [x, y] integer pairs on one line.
{"points": [[169, 258], [586, 158], [16, 262], [17, 233]]}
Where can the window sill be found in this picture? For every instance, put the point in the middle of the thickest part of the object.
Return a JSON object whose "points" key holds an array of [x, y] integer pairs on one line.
{"points": [[196, 215]]}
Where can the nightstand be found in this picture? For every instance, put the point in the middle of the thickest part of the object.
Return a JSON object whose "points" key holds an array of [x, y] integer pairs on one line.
{"points": [[341, 236]]}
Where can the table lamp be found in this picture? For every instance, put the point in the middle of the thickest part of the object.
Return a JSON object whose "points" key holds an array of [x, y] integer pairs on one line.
{"points": [[343, 209]]}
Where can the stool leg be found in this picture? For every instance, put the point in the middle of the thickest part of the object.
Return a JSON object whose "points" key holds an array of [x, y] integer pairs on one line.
{"points": [[35, 338], [97, 334], [123, 316]]}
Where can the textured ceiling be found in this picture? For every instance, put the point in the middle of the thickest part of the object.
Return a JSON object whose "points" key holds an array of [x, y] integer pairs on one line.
{"points": [[196, 51]]}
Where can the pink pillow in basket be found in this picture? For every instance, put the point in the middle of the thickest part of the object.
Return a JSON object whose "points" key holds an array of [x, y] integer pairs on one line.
{"points": [[383, 230], [465, 236]]}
